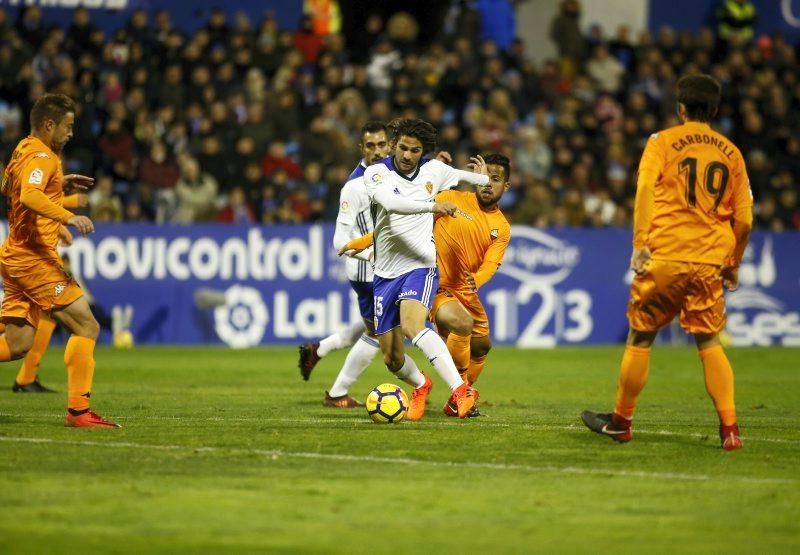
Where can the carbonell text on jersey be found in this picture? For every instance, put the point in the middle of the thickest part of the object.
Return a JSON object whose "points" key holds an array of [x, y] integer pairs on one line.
{"points": [[203, 258]]}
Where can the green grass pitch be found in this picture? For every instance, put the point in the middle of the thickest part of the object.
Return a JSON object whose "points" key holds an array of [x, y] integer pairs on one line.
{"points": [[231, 452]]}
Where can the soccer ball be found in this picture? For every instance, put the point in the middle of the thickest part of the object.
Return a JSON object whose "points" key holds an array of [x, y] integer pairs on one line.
{"points": [[123, 340], [387, 404]]}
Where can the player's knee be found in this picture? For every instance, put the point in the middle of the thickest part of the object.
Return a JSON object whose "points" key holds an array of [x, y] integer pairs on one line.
{"points": [[88, 328], [20, 347], [481, 349], [412, 329]]}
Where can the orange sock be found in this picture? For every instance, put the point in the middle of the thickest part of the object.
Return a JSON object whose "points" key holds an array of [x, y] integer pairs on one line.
{"points": [[30, 365], [5, 351], [632, 377], [79, 358], [719, 383], [475, 368], [458, 345]]}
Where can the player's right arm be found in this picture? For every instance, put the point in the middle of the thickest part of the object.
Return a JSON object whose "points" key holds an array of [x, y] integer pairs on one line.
{"points": [[651, 168], [34, 175], [376, 180]]}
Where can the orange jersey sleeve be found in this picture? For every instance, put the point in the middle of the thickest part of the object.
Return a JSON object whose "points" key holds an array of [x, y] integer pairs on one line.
{"points": [[33, 184], [474, 240], [692, 182]]}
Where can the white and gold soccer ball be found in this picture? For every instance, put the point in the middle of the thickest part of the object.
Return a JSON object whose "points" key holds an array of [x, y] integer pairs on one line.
{"points": [[387, 404]]}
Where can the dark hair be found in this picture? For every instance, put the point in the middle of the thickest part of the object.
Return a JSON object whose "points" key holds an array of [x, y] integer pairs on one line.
{"points": [[373, 127], [418, 129], [499, 160], [700, 95], [51, 106], [392, 127]]}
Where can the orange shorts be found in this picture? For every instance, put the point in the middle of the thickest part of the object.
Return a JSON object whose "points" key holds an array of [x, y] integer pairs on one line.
{"points": [[670, 287], [471, 303], [35, 287]]}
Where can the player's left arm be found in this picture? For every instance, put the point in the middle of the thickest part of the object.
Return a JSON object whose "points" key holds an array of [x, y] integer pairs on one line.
{"points": [[491, 260], [742, 201], [75, 200]]}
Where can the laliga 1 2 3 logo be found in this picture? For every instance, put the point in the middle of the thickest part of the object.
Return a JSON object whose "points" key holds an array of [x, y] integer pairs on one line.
{"points": [[242, 320], [539, 313], [754, 316]]}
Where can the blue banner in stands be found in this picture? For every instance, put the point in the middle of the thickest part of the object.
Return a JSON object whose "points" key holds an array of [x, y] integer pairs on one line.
{"points": [[111, 15], [245, 286]]}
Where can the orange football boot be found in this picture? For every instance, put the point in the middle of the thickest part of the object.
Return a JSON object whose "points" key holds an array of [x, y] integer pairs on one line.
{"points": [[416, 408]]}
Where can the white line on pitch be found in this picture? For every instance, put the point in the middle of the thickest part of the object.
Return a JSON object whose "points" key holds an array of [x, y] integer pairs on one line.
{"points": [[275, 454], [482, 423]]}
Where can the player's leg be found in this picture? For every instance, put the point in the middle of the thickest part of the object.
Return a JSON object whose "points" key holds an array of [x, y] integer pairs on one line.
{"points": [[703, 315], [27, 381], [79, 358], [20, 316], [480, 342], [361, 353], [655, 300], [416, 296], [358, 359], [311, 353], [453, 318]]}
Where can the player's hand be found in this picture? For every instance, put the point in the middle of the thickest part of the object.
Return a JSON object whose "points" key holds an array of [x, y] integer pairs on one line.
{"points": [[478, 165], [444, 208], [64, 236], [640, 261], [83, 224], [350, 250], [78, 182], [470, 279], [730, 277], [445, 157]]}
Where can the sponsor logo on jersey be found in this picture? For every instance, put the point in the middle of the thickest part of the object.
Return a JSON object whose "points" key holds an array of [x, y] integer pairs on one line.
{"points": [[36, 177], [494, 233], [429, 187], [345, 206], [60, 289], [41, 155], [377, 178], [396, 191]]}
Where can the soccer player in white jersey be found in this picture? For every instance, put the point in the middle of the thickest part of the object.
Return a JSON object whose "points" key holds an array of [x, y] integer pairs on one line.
{"points": [[354, 220], [402, 188]]}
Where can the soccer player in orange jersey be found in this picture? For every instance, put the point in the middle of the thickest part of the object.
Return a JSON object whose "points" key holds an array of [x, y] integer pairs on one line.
{"points": [[692, 221], [33, 277], [470, 248], [27, 380]]}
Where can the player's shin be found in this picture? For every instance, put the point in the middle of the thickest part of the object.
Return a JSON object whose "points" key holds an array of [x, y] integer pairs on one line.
{"points": [[632, 378], [435, 349], [30, 365], [356, 362], [410, 373], [719, 383], [459, 345], [476, 365], [79, 359]]}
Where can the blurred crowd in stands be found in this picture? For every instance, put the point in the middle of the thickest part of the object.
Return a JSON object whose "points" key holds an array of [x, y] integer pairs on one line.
{"points": [[246, 122]]}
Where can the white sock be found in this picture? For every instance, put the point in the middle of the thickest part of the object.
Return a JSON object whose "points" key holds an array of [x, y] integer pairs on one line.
{"points": [[435, 349], [341, 339], [410, 374], [356, 362]]}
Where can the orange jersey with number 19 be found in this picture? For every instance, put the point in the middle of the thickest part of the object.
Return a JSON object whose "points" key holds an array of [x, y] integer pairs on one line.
{"points": [[698, 182]]}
